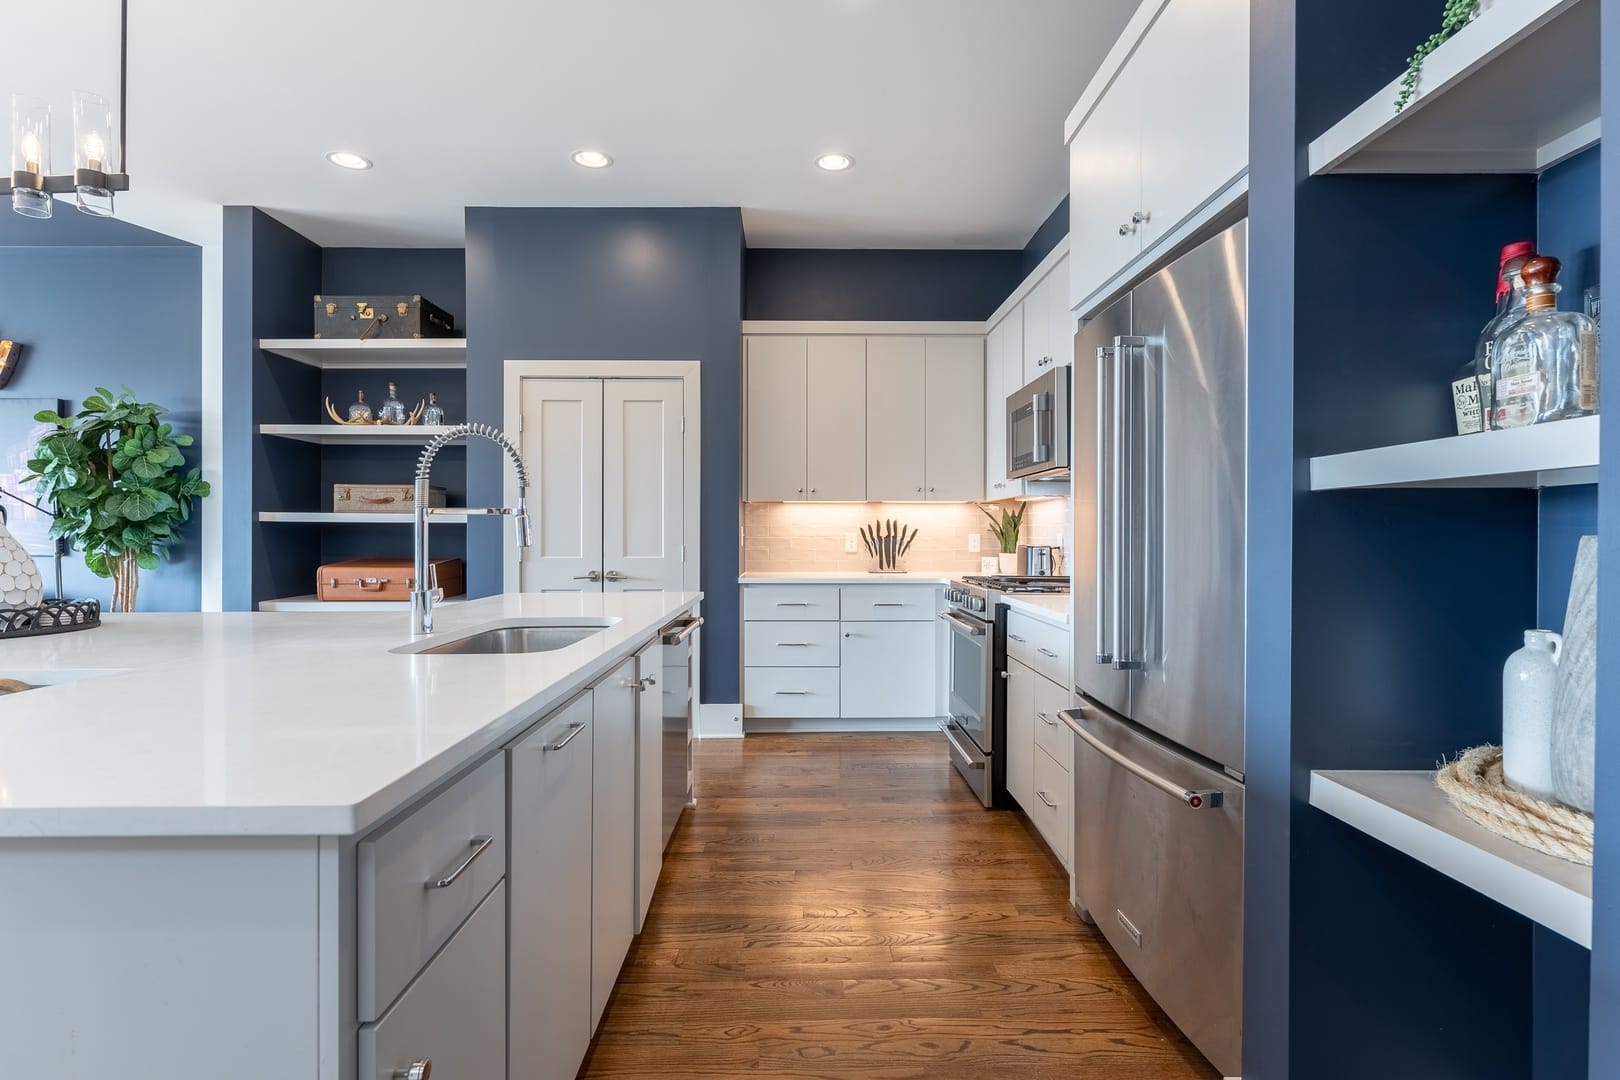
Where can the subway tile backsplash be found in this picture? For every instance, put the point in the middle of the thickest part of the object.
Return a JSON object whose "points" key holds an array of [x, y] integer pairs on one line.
{"points": [[808, 537]]}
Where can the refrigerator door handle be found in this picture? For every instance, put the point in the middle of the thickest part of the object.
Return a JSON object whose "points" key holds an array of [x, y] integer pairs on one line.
{"points": [[1195, 800], [1128, 483], [1105, 361]]}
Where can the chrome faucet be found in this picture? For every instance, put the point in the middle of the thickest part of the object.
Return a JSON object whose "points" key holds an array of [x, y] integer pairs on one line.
{"points": [[425, 591]]}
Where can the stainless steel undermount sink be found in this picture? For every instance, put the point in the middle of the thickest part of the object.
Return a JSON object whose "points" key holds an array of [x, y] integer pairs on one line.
{"points": [[514, 639]]}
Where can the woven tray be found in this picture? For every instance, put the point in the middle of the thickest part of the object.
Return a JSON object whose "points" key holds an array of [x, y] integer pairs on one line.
{"points": [[50, 617], [1474, 784]]}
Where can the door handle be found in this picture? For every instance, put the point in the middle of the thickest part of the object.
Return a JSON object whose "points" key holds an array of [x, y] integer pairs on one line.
{"points": [[1047, 801], [962, 625], [594, 575], [1105, 359], [444, 880], [972, 762], [616, 575], [573, 733], [1197, 800], [1014, 637], [1127, 479], [679, 631], [1047, 653], [1046, 718]]}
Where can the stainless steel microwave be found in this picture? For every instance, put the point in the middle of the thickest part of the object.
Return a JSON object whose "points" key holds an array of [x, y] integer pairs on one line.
{"points": [[1038, 428]]}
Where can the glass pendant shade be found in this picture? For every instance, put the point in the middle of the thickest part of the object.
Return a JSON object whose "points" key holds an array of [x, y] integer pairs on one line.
{"points": [[30, 155], [95, 153]]}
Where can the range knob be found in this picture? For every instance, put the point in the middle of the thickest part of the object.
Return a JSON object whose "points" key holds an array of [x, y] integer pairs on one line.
{"points": [[978, 603]]}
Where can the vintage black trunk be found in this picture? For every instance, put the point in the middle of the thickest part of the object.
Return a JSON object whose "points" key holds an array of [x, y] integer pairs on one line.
{"points": [[381, 317]]}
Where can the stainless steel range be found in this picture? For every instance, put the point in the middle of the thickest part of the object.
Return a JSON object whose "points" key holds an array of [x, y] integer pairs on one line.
{"points": [[977, 664]]}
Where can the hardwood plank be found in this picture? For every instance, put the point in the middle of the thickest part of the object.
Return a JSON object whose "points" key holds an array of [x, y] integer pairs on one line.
{"points": [[841, 907]]}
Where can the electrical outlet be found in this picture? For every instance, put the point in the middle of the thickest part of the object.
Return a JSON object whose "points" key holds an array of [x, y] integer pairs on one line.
{"points": [[849, 542], [973, 542]]}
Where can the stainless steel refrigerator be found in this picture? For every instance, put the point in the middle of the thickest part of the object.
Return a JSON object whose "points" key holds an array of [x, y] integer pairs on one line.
{"points": [[1159, 474]]}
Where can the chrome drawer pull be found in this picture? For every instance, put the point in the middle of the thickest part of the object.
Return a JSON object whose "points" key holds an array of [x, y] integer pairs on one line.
{"points": [[792, 644], [792, 603], [793, 693], [479, 844], [1046, 718], [888, 605], [573, 733], [419, 1070], [1048, 653], [1047, 801], [688, 627], [1014, 637]]}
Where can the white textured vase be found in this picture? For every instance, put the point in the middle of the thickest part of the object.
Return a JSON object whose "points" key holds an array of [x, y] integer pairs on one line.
{"points": [[1574, 736], [1007, 561], [20, 583], [1529, 687]]}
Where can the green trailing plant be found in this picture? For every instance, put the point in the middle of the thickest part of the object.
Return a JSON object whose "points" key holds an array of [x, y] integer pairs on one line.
{"points": [[1006, 527], [1458, 14], [118, 480]]}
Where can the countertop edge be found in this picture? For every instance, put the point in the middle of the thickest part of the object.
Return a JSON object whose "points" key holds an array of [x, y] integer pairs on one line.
{"points": [[1022, 605]]}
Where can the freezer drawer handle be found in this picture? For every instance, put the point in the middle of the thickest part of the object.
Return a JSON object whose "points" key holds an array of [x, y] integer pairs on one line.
{"points": [[1196, 800], [971, 762]]}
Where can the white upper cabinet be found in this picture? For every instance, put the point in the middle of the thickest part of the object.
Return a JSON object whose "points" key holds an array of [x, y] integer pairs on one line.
{"points": [[997, 357], [777, 385], [1162, 130], [953, 398], [1046, 324], [896, 468], [836, 420]]}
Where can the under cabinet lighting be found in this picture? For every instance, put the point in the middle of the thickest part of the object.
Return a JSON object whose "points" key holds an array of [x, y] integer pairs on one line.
{"points": [[347, 159], [835, 162], [591, 159]]}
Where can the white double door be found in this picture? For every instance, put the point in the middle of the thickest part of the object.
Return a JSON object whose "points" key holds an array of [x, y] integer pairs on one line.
{"points": [[606, 464]]}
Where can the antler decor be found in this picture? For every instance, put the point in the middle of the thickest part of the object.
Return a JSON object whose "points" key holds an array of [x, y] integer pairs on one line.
{"points": [[414, 418], [10, 357]]}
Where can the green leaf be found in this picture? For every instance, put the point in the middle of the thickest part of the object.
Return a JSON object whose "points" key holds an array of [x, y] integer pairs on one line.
{"points": [[147, 560], [97, 562]]}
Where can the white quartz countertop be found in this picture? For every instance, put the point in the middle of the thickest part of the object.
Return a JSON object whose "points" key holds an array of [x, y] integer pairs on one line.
{"points": [[1043, 606], [844, 577], [278, 724]]}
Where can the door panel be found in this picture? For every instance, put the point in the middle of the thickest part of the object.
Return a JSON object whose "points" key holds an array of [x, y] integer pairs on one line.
{"points": [[777, 373], [562, 444], [643, 490], [1091, 576], [895, 419], [836, 419], [613, 830], [953, 397], [887, 669], [995, 409], [649, 777], [1105, 185], [1020, 748], [1193, 371]]}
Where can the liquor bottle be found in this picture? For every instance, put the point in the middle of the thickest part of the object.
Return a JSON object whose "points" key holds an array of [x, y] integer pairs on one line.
{"points": [[433, 415], [1546, 364], [360, 410], [392, 410], [1471, 386]]}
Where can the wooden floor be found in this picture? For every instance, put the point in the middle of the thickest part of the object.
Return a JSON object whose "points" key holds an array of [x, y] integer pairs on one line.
{"points": [[841, 906]]}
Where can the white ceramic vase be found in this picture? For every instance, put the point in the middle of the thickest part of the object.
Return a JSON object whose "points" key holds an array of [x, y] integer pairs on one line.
{"points": [[1574, 733], [1007, 561], [1529, 687], [20, 583]]}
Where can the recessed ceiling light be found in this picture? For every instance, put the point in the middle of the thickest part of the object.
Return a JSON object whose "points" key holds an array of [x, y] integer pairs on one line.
{"points": [[345, 159], [835, 162], [591, 159]]}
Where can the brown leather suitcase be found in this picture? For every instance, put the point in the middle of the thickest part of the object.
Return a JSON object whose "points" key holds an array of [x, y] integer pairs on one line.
{"points": [[383, 577]]}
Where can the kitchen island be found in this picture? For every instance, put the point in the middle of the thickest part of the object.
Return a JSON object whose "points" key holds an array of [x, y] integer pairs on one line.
{"points": [[277, 845]]}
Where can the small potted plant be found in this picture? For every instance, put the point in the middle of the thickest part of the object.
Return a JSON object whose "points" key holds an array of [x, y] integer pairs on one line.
{"points": [[118, 480], [1006, 529]]}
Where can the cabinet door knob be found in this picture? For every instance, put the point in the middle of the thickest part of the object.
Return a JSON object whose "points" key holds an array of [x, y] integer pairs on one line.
{"points": [[1125, 230], [418, 1070], [812, 491], [1139, 217]]}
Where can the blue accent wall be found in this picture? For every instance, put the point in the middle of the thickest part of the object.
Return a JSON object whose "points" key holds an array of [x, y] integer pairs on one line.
{"points": [[436, 274], [877, 285], [616, 284], [1053, 229], [111, 316]]}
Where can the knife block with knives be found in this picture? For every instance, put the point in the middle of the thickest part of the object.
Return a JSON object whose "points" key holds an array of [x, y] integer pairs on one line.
{"points": [[887, 542]]}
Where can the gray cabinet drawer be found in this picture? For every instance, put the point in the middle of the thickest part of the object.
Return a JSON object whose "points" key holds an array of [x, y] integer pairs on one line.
{"points": [[889, 603], [790, 692], [1042, 646], [1050, 733], [790, 644], [1051, 811], [454, 1016], [790, 603], [402, 920]]}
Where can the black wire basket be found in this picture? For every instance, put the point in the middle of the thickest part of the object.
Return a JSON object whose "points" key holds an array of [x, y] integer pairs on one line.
{"points": [[49, 617]]}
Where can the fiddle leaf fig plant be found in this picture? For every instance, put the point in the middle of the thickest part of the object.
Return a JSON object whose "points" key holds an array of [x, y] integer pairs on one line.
{"points": [[1006, 527], [117, 478], [1458, 14]]}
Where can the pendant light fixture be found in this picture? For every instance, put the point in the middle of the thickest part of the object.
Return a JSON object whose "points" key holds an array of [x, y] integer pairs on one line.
{"points": [[98, 159]]}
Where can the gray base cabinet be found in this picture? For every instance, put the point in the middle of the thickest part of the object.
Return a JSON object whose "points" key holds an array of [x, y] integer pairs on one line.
{"points": [[550, 877]]}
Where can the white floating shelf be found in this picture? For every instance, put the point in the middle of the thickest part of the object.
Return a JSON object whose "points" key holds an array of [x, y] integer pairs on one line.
{"points": [[1515, 91], [337, 434], [298, 517], [1406, 811], [311, 602], [368, 355], [1543, 455]]}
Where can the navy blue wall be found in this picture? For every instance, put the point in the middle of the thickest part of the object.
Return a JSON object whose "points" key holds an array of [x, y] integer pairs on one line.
{"points": [[1046, 237], [437, 274], [869, 284], [109, 316], [616, 284]]}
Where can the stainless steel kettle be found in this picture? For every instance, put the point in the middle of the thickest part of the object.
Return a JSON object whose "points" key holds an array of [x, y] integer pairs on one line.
{"points": [[1040, 560]]}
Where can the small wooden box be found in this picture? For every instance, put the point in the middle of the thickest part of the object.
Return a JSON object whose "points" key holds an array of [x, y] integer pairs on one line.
{"points": [[383, 577], [381, 318], [380, 498]]}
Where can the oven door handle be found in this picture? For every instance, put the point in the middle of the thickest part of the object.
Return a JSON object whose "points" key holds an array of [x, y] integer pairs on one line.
{"points": [[970, 627], [972, 762]]}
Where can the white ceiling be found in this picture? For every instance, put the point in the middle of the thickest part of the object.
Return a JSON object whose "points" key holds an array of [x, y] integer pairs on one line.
{"points": [[953, 109]]}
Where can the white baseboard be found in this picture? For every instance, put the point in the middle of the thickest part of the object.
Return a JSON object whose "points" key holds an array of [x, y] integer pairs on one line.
{"points": [[757, 725], [719, 722]]}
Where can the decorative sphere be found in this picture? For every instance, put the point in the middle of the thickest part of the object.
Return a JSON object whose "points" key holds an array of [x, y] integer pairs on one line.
{"points": [[20, 584]]}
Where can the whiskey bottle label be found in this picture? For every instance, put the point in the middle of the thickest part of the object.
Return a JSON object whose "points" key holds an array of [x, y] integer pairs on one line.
{"points": [[1588, 371], [1465, 400]]}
